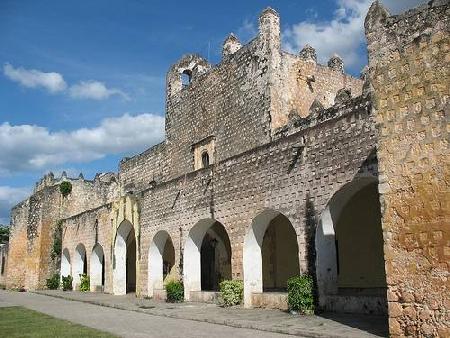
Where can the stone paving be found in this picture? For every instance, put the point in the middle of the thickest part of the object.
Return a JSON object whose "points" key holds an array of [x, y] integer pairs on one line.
{"points": [[325, 325]]}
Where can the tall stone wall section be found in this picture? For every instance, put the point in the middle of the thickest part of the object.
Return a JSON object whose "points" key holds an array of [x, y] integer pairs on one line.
{"points": [[337, 147], [34, 222], [409, 61]]}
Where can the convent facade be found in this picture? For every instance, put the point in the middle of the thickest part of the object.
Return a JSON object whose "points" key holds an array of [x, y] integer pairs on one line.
{"points": [[275, 165]]}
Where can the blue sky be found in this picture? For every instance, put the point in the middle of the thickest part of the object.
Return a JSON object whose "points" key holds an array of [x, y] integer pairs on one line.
{"points": [[82, 82]]}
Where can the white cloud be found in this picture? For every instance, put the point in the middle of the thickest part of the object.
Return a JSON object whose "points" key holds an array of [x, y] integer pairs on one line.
{"points": [[343, 34], [32, 78], [94, 90], [54, 83], [10, 196], [30, 147]]}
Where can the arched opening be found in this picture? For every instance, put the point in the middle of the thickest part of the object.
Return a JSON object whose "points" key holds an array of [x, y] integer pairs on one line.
{"points": [[124, 260], [65, 263], [349, 251], [3, 265], [97, 269], [80, 265], [207, 257], [270, 254], [205, 159], [186, 77], [161, 261]]}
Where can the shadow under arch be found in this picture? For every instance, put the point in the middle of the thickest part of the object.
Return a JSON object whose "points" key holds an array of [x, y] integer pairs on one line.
{"points": [[285, 246], [66, 268], [124, 259], [161, 260], [97, 269], [349, 250], [207, 257], [79, 265]]}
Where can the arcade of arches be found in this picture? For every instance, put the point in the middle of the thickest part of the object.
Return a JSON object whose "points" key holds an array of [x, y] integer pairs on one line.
{"points": [[349, 255]]}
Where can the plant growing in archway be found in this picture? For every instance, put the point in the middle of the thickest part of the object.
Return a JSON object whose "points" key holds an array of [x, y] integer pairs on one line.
{"points": [[85, 282], [231, 292], [175, 292]]}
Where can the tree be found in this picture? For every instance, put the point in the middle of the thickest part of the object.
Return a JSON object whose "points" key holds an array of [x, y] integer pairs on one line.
{"points": [[4, 234]]}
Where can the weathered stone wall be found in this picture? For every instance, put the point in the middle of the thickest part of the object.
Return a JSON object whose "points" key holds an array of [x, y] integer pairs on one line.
{"points": [[295, 175], [409, 69], [34, 222], [240, 103]]}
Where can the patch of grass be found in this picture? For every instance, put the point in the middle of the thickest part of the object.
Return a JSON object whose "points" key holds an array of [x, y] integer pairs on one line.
{"points": [[21, 322]]}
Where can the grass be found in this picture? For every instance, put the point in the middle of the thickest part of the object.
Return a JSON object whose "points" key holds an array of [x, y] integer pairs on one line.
{"points": [[20, 322]]}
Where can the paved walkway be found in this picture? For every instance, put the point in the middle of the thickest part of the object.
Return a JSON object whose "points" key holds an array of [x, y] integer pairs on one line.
{"points": [[327, 325], [125, 323]]}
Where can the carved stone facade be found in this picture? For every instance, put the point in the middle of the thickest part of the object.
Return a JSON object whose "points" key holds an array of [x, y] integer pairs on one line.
{"points": [[298, 156]]}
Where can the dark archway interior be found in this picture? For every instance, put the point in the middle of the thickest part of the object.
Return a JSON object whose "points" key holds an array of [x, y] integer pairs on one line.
{"points": [[215, 257], [279, 254], [131, 262], [168, 257], [103, 270], [85, 264], [359, 243]]}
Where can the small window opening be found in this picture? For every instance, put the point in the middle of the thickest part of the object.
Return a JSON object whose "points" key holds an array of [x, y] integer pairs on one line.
{"points": [[186, 77], [205, 159]]}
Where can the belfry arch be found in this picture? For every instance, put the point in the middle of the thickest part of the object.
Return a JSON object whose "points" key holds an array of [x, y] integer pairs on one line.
{"points": [[161, 261], [124, 260], [207, 257], [97, 269], [66, 268], [349, 250], [79, 265], [270, 254]]}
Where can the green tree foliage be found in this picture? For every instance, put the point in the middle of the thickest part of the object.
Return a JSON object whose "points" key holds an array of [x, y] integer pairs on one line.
{"points": [[4, 234]]}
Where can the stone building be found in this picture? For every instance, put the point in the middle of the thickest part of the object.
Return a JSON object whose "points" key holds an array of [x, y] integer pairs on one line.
{"points": [[274, 165]]}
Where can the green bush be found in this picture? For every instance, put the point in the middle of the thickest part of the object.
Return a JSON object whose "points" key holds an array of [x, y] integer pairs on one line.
{"points": [[67, 282], [85, 282], [301, 294], [175, 292], [52, 283], [231, 292], [65, 188]]}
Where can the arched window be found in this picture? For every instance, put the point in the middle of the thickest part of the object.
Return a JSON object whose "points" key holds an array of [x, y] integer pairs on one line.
{"points": [[205, 160], [186, 77]]}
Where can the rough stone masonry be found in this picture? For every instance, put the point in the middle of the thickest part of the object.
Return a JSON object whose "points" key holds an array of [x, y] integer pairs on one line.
{"points": [[273, 166]]}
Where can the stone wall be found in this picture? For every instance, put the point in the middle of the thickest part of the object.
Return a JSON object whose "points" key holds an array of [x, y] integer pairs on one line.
{"points": [[296, 175], [35, 220], [240, 103], [409, 69]]}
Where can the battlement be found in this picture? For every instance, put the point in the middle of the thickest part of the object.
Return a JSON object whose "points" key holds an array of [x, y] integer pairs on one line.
{"points": [[49, 180]]}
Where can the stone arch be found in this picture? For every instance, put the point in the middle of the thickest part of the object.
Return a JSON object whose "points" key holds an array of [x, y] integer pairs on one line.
{"points": [[161, 260], [207, 257], [349, 250], [66, 268], [269, 225], [124, 259], [79, 265], [97, 269]]}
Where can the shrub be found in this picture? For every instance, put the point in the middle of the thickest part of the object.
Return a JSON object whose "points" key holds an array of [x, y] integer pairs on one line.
{"points": [[65, 188], [85, 283], [52, 283], [231, 292], [175, 292], [67, 282], [301, 294], [57, 240]]}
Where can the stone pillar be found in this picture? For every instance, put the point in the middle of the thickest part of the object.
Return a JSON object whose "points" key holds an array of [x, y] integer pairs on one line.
{"points": [[409, 63]]}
